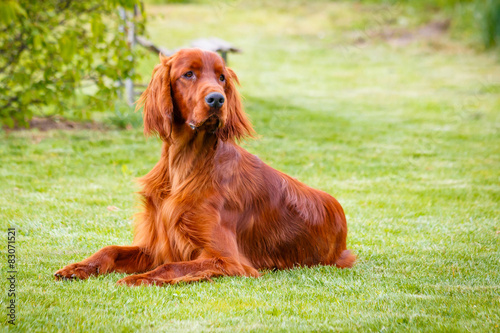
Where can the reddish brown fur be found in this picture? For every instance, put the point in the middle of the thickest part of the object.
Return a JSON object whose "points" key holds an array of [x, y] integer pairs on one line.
{"points": [[210, 207]]}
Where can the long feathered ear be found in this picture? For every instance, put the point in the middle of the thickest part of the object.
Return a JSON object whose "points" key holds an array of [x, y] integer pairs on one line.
{"points": [[237, 125], [157, 102]]}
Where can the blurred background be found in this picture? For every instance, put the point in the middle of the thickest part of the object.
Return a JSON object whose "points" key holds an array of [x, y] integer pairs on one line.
{"points": [[72, 60]]}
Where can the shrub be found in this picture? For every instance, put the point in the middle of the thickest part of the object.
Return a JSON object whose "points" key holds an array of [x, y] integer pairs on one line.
{"points": [[59, 52], [491, 23]]}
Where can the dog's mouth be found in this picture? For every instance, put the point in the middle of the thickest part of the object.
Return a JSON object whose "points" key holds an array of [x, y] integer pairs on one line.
{"points": [[211, 124]]}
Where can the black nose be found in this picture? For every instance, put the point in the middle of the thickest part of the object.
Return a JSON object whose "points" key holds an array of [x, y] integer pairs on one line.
{"points": [[215, 100]]}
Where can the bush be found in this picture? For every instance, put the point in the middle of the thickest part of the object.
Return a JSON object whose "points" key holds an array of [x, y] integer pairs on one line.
{"points": [[491, 23], [58, 53]]}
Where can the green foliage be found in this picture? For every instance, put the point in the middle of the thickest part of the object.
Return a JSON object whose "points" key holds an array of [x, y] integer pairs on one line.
{"points": [[491, 23], [124, 116], [56, 53]]}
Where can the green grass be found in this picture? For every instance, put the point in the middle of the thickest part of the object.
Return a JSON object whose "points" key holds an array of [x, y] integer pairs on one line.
{"points": [[407, 138]]}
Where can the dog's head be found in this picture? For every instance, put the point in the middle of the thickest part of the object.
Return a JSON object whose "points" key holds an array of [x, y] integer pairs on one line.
{"points": [[193, 90]]}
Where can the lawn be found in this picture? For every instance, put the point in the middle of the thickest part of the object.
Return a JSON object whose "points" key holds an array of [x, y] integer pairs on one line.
{"points": [[402, 127]]}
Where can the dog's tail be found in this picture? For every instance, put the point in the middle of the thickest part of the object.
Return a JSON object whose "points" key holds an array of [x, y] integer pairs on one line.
{"points": [[346, 259]]}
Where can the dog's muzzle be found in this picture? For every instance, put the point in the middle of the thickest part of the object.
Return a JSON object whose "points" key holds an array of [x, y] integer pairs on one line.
{"points": [[211, 124]]}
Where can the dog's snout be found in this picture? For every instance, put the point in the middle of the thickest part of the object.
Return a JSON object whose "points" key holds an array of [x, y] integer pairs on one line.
{"points": [[215, 100]]}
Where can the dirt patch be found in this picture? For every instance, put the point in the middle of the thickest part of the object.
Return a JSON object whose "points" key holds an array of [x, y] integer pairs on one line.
{"points": [[401, 36], [430, 31], [58, 123]]}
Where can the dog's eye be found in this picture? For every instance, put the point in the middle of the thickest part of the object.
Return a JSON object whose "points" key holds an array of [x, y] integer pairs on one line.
{"points": [[189, 74], [222, 78]]}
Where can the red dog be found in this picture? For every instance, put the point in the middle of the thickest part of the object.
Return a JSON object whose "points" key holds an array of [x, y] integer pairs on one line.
{"points": [[210, 207]]}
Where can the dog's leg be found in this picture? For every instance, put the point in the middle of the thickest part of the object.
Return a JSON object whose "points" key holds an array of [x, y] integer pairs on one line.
{"points": [[190, 271], [122, 259], [219, 257]]}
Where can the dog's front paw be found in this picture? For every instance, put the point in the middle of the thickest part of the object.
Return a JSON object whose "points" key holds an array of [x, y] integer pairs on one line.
{"points": [[139, 279], [76, 271]]}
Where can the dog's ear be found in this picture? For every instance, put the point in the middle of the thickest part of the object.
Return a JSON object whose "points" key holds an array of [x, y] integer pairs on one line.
{"points": [[237, 125], [157, 102]]}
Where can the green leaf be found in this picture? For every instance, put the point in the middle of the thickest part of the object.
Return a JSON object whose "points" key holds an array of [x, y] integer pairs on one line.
{"points": [[9, 10], [50, 49], [97, 28], [67, 44]]}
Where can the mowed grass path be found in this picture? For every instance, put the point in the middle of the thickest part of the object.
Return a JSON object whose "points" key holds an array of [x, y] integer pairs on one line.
{"points": [[406, 137]]}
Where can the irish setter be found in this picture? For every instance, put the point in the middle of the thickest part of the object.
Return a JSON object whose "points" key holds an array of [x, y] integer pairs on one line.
{"points": [[210, 207]]}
